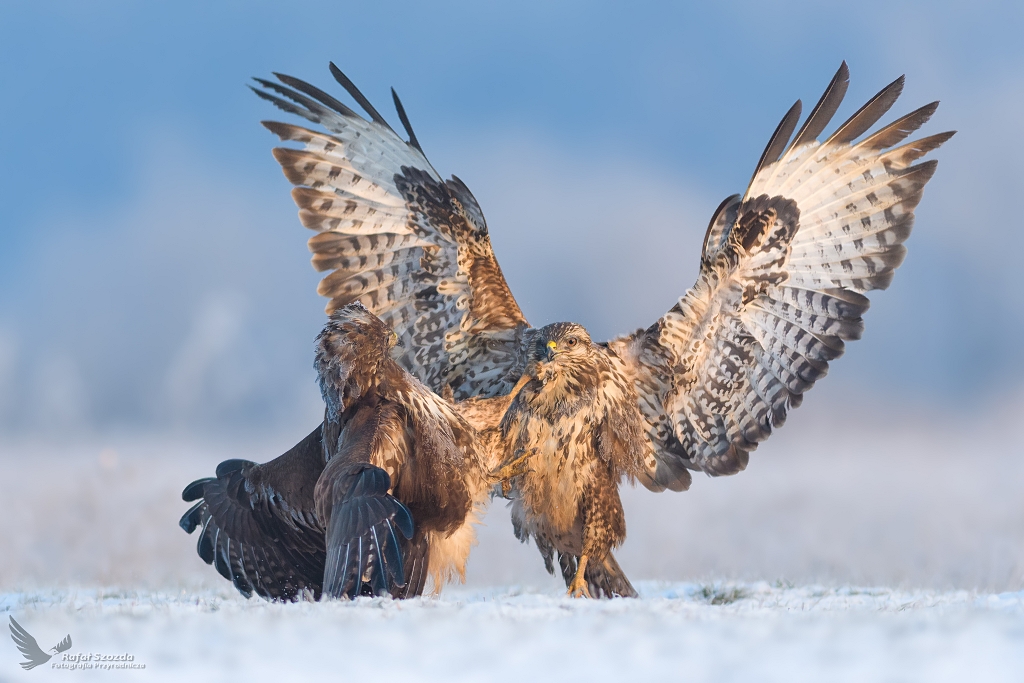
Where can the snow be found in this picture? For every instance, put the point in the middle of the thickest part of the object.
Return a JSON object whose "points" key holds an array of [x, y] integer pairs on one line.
{"points": [[675, 631], [745, 578]]}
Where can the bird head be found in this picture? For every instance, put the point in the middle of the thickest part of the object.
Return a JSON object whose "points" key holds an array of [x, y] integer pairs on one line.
{"points": [[351, 352], [561, 350]]}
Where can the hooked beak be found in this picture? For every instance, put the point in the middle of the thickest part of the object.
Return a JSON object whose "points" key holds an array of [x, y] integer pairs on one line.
{"points": [[552, 349]]}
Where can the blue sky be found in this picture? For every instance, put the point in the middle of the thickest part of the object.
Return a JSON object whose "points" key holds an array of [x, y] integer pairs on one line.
{"points": [[153, 274]]}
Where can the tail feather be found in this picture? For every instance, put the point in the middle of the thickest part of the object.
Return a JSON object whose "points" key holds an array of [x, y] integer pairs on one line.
{"points": [[605, 579], [608, 580]]}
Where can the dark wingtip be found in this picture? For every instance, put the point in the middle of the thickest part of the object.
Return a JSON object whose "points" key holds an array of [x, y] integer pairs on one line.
{"points": [[826, 107], [316, 93], [868, 115], [233, 465], [358, 96], [391, 556], [194, 491], [780, 138], [405, 121], [191, 519], [714, 219], [281, 104]]}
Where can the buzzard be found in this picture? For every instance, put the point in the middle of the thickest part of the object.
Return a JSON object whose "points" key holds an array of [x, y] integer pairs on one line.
{"points": [[379, 497], [783, 272]]}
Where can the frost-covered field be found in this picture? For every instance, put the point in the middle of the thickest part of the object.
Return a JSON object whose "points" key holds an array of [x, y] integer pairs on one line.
{"points": [[711, 632], [745, 578]]}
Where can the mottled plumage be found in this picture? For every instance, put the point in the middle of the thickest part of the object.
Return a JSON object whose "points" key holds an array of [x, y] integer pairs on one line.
{"points": [[579, 429], [410, 246], [783, 273], [382, 495]]}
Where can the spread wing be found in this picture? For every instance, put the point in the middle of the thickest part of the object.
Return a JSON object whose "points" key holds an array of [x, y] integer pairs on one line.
{"points": [[413, 248], [783, 274], [258, 523], [28, 646]]}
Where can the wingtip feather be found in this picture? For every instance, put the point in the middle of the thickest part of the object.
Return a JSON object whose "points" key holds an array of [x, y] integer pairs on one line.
{"points": [[358, 96], [868, 115], [403, 117], [826, 107], [779, 139]]}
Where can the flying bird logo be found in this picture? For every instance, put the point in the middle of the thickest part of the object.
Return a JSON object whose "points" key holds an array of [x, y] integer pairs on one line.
{"points": [[30, 648]]}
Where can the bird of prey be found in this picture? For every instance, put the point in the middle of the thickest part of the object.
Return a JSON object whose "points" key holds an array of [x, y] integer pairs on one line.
{"points": [[783, 273], [34, 655], [379, 497]]}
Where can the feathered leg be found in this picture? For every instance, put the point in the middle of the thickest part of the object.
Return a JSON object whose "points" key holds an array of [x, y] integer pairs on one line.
{"points": [[604, 526], [578, 587]]}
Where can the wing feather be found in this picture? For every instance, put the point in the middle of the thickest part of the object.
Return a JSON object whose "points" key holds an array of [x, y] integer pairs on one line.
{"points": [[782, 282], [825, 109], [413, 248], [779, 140], [258, 523]]}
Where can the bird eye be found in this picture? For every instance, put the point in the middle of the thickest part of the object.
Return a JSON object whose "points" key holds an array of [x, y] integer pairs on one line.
{"points": [[571, 341]]}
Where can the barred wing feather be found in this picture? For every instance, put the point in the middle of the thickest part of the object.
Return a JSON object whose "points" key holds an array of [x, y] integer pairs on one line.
{"points": [[413, 248], [781, 289]]}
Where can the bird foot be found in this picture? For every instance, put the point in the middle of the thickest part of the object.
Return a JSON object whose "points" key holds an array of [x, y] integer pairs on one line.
{"points": [[579, 588], [511, 470]]}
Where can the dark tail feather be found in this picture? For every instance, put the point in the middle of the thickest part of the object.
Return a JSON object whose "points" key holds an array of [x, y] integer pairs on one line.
{"points": [[360, 531], [605, 579], [608, 580], [417, 558]]}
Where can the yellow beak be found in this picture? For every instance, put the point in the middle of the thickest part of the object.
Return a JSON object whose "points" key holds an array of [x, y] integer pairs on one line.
{"points": [[552, 345]]}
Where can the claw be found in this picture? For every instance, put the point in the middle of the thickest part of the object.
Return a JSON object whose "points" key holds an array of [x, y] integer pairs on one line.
{"points": [[579, 588], [513, 469]]}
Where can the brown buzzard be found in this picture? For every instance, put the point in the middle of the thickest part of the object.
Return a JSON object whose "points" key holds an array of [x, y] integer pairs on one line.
{"points": [[379, 497], [784, 269]]}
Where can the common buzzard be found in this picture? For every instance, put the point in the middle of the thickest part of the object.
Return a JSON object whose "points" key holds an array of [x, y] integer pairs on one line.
{"points": [[379, 497], [784, 269]]}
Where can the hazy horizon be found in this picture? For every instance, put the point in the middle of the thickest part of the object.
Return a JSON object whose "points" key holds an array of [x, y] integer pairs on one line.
{"points": [[154, 276]]}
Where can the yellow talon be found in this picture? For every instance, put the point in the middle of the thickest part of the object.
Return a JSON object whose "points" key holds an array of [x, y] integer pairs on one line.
{"points": [[579, 588], [511, 470]]}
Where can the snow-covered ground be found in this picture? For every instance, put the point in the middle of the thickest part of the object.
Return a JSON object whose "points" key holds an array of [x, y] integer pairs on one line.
{"points": [[745, 578], [854, 501], [677, 631]]}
